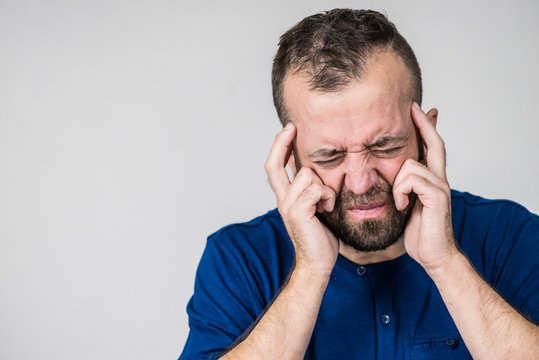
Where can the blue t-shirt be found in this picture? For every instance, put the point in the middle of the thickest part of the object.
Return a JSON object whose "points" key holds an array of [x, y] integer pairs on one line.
{"points": [[388, 310]]}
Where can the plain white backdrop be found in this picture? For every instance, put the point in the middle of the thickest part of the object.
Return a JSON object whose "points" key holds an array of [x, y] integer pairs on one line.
{"points": [[131, 130]]}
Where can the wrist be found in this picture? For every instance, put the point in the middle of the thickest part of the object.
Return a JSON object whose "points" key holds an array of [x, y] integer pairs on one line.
{"points": [[315, 267], [454, 263], [310, 276]]}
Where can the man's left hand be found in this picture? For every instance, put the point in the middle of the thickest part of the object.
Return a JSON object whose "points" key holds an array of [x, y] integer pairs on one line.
{"points": [[428, 237]]}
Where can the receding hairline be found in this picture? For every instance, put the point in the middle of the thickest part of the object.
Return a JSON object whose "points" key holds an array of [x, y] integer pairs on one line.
{"points": [[299, 72], [299, 67]]}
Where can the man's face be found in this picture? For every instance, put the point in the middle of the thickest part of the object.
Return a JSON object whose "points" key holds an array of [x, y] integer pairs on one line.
{"points": [[356, 140]]}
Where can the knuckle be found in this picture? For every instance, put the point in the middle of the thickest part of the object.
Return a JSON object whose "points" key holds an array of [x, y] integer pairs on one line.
{"points": [[409, 164], [307, 193], [316, 188], [305, 172], [412, 178], [310, 192], [332, 194], [301, 173], [419, 179]]}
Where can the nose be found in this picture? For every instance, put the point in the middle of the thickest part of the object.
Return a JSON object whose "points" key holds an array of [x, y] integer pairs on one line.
{"points": [[360, 175]]}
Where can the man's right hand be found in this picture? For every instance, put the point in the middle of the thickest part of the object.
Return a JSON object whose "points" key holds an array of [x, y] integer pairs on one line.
{"points": [[298, 201], [285, 329]]}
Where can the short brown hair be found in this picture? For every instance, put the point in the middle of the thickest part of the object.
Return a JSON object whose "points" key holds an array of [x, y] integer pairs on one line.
{"points": [[332, 48]]}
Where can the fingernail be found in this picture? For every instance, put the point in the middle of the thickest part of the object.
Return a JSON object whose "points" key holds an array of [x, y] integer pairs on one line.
{"points": [[416, 105], [288, 126]]}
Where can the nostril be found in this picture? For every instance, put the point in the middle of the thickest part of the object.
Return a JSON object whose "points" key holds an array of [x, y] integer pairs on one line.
{"points": [[360, 180]]}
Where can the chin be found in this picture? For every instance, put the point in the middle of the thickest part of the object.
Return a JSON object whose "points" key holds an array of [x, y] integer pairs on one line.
{"points": [[368, 234]]}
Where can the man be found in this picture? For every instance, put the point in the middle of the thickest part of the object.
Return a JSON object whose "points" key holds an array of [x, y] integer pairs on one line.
{"points": [[370, 254]]}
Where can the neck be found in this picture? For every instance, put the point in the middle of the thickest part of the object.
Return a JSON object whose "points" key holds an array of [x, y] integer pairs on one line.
{"points": [[371, 257]]}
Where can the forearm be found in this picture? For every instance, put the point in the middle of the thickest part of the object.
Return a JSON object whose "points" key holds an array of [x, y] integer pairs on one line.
{"points": [[286, 328], [489, 326]]}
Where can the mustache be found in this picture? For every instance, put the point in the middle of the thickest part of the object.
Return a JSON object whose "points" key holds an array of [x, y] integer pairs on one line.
{"points": [[377, 192]]}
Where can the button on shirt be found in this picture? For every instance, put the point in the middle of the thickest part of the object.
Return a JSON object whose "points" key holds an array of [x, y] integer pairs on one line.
{"points": [[361, 270], [396, 298], [385, 319]]}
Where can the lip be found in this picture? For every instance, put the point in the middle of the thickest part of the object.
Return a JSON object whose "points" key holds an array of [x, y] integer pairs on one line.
{"points": [[367, 211]]}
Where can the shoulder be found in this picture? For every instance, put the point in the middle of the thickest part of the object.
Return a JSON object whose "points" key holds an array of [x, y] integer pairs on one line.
{"points": [[493, 221], [263, 223], [497, 235], [264, 231], [239, 273], [466, 199], [469, 209], [259, 248]]}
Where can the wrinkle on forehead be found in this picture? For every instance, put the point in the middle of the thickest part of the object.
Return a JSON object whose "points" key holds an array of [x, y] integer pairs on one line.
{"points": [[353, 129], [330, 148], [384, 71], [376, 105]]}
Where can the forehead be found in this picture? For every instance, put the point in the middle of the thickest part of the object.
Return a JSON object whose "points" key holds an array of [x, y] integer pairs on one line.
{"points": [[378, 104]]}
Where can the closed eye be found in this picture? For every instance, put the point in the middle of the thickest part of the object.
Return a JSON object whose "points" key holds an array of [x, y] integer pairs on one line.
{"points": [[328, 162], [390, 151]]}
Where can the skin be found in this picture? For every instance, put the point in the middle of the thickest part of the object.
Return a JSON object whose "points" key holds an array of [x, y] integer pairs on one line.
{"points": [[352, 121]]}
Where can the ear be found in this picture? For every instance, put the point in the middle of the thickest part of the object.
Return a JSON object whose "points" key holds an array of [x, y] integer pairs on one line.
{"points": [[292, 164], [433, 116]]}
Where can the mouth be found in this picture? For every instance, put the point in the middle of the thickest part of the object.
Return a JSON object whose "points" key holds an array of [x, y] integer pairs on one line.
{"points": [[372, 210]]}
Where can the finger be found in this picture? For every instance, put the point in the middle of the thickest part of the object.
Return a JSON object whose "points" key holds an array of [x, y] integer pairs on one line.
{"points": [[292, 164], [302, 180], [313, 195], [411, 166], [430, 194], [435, 154], [432, 115], [327, 202], [277, 159]]}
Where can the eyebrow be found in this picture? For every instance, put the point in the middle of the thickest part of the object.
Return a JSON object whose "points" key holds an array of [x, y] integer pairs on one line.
{"points": [[325, 153], [386, 140]]}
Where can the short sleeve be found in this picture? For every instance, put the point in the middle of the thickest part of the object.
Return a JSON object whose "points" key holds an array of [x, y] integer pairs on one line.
{"points": [[226, 300], [516, 267], [501, 239]]}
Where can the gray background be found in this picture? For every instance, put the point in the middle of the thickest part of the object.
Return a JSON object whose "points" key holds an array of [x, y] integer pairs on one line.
{"points": [[130, 130]]}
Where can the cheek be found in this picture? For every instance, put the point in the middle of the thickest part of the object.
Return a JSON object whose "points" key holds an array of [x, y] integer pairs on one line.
{"points": [[332, 178], [389, 168], [385, 168]]}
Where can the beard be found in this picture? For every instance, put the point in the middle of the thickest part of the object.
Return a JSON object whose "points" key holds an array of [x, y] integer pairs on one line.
{"points": [[370, 234]]}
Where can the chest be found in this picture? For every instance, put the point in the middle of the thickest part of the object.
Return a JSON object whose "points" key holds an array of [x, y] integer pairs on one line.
{"points": [[393, 312]]}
